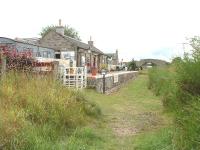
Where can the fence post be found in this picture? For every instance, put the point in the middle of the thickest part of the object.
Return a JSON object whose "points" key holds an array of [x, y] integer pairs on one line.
{"points": [[104, 83], [3, 65], [55, 69], [85, 76]]}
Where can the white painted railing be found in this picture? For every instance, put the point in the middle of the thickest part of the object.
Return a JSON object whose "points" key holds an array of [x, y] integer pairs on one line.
{"points": [[74, 77]]}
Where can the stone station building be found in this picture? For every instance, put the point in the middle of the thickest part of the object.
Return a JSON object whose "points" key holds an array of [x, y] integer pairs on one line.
{"points": [[59, 46], [80, 53]]}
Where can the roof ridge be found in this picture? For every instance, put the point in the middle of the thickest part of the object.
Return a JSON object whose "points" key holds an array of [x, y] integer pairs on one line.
{"points": [[75, 40], [24, 42]]}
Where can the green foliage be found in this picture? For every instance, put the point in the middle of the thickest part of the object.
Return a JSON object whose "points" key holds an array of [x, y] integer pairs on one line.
{"points": [[176, 60], [188, 72], [37, 112], [183, 95], [156, 140], [132, 65], [68, 31], [187, 117], [187, 129], [92, 109], [103, 66], [84, 139], [161, 81], [195, 43], [132, 108]]}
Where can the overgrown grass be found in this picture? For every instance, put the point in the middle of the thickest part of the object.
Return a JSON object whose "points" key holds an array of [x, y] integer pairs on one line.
{"points": [[38, 112], [179, 87], [155, 140], [132, 108], [84, 139], [162, 82]]}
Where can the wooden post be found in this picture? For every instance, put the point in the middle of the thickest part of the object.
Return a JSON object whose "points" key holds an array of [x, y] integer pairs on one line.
{"points": [[104, 83], [3, 65], [55, 69]]}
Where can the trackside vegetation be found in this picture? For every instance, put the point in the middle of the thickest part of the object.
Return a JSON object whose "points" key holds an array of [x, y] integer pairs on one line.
{"points": [[37, 112], [179, 87]]}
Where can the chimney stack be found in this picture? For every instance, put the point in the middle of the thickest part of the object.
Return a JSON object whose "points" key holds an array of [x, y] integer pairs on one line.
{"points": [[59, 22], [117, 58], [60, 29], [90, 42]]}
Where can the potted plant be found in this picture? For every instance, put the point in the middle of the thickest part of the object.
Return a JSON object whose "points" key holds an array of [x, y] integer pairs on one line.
{"points": [[94, 71], [104, 67]]}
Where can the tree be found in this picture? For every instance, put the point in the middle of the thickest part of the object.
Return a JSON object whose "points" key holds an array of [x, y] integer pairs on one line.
{"points": [[132, 65], [68, 31], [195, 43], [176, 60]]}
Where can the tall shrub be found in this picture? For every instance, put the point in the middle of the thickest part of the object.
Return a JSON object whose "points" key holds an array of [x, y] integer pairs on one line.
{"points": [[179, 86], [18, 60], [187, 135], [132, 65]]}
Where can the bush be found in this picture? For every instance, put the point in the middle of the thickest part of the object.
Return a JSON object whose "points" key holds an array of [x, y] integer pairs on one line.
{"points": [[187, 129], [187, 118], [36, 112], [180, 91], [132, 65], [162, 82], [17, 60]]}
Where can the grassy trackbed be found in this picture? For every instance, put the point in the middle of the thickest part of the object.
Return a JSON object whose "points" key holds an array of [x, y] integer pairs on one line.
{"points": [[42, 115], [133, 118]]}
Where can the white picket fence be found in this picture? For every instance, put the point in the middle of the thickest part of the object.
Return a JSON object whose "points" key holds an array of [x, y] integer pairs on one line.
{"points": [[73, 77]]}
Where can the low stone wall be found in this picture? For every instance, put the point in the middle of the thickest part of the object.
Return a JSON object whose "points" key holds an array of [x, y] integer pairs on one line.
{"points": [[112, 81]]}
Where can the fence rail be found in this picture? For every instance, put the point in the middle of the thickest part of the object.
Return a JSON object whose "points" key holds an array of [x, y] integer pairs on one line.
{"points": [[74, 77]]}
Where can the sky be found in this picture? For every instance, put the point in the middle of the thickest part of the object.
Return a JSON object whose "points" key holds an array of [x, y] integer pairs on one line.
{"points": [[137, 28]]}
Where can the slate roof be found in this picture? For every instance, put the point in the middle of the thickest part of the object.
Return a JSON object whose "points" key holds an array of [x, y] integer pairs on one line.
{"points": [[81, 44], [34, 41], [97, 50], [19, 40]]}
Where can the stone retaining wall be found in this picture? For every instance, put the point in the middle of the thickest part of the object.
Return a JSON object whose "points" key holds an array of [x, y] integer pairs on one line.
{"points": [[111, 81]]}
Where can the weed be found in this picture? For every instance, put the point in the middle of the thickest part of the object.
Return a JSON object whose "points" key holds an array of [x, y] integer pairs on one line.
{"points": [[36, 112]]}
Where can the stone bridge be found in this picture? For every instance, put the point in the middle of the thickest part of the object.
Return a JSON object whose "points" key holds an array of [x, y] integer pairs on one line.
{"points": [[154, 62]]}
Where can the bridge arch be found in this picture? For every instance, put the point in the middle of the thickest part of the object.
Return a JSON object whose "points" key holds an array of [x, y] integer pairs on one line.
{"points": [[152, 62]]}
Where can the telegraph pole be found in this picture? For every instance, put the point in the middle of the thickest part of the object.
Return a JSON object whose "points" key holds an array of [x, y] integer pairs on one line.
{"points": [[183, 44]]}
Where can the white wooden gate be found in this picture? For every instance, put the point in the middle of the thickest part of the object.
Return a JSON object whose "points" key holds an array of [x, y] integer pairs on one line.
{"points": [[74, 77]]}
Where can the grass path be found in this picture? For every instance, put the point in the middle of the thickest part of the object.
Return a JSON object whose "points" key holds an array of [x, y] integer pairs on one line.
{"points": [[133, 118]]}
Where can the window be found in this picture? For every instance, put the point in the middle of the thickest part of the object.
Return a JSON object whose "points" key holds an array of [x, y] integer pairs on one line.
{"points": [[82, 60], [57, 56], [38, 54], [49, 55], [68, 55], [45, 54]]}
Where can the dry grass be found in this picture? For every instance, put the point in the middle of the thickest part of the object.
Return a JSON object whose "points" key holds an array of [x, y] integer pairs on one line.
{"points": [[37, 111]]}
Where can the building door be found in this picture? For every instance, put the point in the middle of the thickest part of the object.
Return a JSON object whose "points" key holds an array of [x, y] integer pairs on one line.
{"points": [[57, 55]]}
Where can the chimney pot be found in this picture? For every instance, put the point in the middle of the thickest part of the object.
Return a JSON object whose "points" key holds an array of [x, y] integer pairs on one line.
{"points": [[60, 29], [60, 22], [90, 42]]}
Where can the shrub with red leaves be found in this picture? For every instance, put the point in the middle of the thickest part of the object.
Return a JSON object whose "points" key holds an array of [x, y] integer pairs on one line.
{"points": [[17, 60]]}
